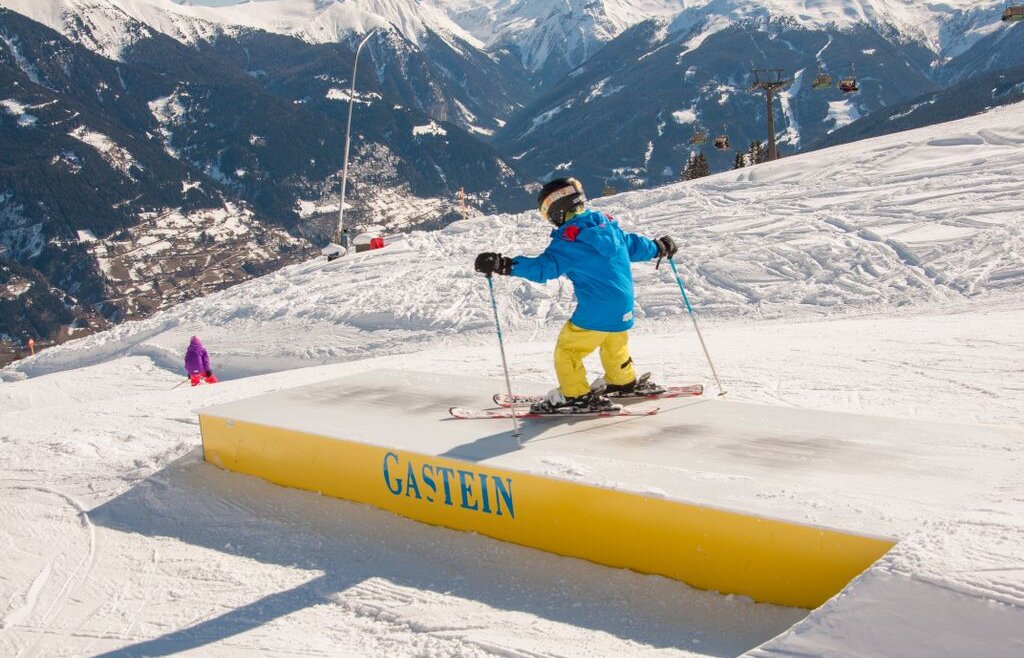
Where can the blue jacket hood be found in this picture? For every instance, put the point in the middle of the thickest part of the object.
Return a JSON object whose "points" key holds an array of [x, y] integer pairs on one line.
{"points": [[590, 228]]}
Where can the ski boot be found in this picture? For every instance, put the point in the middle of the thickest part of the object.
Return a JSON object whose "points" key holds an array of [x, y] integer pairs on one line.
{"points": [[638, 388], [556, 403]]}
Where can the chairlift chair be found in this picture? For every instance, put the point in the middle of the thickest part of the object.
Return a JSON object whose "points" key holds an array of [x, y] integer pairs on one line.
{"points": [[699, 137], [722, 141], [822, 81], [848, 84], [1013, 13]]}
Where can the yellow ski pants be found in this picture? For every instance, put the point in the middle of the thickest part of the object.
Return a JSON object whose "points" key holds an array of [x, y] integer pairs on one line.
{"points": [[574, 344]]}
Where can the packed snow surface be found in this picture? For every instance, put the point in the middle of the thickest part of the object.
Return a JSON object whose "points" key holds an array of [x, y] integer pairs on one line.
{"points": [[881, 278]]}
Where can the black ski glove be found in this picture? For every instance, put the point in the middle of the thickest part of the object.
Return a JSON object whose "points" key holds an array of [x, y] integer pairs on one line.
{"points": [[667, 247], [491, 263]]}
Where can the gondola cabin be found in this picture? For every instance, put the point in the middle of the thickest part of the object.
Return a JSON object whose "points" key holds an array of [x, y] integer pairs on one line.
{"points": [[1013, 13], [822, 81]]}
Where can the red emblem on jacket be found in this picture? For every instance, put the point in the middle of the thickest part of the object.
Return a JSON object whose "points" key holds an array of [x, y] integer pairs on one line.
{"points": [[571, 233]]}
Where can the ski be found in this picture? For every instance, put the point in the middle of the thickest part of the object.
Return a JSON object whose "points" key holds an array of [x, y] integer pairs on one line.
{"points": [[688, 390], [524, 412]]}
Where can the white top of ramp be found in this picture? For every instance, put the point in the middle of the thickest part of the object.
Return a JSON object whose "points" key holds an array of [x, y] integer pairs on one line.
{"points": [[694, 450]]}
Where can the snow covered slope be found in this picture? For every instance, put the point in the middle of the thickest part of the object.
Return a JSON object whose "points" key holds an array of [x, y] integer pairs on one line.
{"points": [[927, 216], [883, 277]]}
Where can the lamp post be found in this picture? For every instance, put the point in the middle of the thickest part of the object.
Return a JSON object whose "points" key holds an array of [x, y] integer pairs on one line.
{"points": [[340, 239]]}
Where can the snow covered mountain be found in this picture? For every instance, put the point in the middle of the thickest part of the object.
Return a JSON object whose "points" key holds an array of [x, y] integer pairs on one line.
{"points": [[473, 95], [885, 279], [552, 38], [998, 49], [111, 123], [555, 37], [626, 116], [426, 61], [110, 26], [972, 96]]}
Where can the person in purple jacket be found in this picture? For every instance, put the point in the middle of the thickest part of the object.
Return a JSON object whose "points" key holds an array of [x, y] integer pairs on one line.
{"points": [[197, 363]]}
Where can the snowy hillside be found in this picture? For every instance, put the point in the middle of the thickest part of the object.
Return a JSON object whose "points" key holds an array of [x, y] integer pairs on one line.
{"points": [[924, 217], [884, 278]]}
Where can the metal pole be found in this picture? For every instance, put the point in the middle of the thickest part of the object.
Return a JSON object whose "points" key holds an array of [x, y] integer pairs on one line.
{"points": [[772, 152], [693, 317], [339, 237], [504, 363]]}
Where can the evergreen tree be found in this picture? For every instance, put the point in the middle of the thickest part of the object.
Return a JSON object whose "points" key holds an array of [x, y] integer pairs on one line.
{"points": [[696, 167], [739, 162], [688, 167], [756, 154], [702, 168]]}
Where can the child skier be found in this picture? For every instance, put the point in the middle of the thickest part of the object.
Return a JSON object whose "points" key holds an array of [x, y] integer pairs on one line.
{"points": [[588, 247], [197, 363]]}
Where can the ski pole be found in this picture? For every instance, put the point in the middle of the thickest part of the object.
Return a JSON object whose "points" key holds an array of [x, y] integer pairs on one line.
{"points": [[504, 362], [693, 317], [179, 384]]}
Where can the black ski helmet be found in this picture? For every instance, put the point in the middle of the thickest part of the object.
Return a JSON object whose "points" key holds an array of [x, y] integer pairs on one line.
{"points": [[559, 198]]}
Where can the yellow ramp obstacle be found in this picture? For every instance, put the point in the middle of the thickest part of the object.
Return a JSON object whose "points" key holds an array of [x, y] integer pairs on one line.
{"points": [[385, 439]]}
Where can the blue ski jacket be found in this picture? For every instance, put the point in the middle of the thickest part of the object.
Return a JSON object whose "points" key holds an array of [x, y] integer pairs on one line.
{"points": [[595, 254]]}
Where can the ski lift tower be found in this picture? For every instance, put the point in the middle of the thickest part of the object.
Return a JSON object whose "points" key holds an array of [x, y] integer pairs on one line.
{"points": [[769, 81]]}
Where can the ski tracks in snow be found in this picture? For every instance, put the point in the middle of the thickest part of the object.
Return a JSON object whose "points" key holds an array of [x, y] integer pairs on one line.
{"points": [[37, 607]]}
